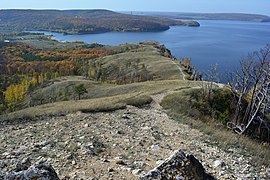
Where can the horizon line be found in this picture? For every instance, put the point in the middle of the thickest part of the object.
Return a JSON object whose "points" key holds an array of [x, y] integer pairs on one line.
{"points": [[43, 9]]}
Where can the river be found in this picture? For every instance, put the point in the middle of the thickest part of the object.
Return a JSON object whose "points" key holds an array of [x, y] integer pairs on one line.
{"points": [[219, 42]]}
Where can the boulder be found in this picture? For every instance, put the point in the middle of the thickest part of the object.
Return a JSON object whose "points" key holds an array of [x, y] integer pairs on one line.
{"points": [[178, 166], [38, 171]]}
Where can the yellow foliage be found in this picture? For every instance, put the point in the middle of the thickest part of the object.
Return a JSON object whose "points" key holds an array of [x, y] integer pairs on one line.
{"points": [[34, 81], [187, 62], [16, 93]]}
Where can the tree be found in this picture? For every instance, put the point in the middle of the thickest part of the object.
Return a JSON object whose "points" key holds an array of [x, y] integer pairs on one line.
{"points": [[251, 89], [210, 80], [80, 90], [16, 93]]}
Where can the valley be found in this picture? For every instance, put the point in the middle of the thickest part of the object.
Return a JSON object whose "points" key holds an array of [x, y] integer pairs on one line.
{"points": [[93, 110]]}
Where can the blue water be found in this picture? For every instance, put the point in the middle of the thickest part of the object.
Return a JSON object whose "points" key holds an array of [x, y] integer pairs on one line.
{"points": [[214, 42]]}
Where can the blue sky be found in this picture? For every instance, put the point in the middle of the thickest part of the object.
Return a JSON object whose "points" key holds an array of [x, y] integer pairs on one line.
{"points": [[244, 6]]}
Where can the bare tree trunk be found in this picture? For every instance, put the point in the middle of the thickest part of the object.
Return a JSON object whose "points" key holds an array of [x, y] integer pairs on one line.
{"points": [[251, 86]]}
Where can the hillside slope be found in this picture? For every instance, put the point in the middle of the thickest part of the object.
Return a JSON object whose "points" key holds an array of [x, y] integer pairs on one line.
{"points": [[118, 145], [117, 128], [83, 21], [123, 64]]}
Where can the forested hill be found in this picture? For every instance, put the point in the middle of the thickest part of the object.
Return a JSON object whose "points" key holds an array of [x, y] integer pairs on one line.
{"points": [[83, 21], [208, 16]]}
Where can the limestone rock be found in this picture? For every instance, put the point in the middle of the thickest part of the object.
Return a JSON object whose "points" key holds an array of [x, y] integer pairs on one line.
{"points": [[178, 166], [39, 171], [219, 163]]}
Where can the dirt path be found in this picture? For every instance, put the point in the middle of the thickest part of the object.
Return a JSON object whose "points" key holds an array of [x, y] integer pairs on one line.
{"points": [[180, 69], [157, 98], [116, 145]]}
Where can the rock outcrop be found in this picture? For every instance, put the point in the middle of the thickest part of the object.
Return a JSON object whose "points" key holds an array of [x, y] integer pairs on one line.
{"points": [[38, 171], [178, 166]]}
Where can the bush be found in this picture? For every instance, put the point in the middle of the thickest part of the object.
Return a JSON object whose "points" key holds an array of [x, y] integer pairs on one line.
{"points": [[193, 104], [80, 90], [217, 106], [221, 103]]}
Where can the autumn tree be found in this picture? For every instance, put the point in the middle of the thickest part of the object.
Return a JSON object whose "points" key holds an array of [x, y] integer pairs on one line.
{"points": [[16, 93]]}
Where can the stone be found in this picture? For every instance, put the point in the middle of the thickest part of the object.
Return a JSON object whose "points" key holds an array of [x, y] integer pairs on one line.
{"points": [[38, 171], [19, 166], [2, 164], [119, 161], [133, 147], [159, 162], [41, 144], [248, 176], [139, 163], [6, 154], [110, 169], [136, 172], [20, 150], [155, 147], [105, 160], [119, 132], [219, 163], [69, 157], [26, 162], [179, 178], [125, 116], [178, 166]]}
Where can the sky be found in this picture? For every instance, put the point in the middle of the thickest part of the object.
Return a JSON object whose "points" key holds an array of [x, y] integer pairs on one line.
{"points": [[240, 6]]}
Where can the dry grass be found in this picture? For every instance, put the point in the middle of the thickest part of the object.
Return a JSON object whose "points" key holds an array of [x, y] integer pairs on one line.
{"points": [[97, 90], [64, 107], [102, 97], [160, 66], [217, 132]]}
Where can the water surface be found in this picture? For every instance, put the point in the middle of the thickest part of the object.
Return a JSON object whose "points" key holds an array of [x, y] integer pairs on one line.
{"points": [[214, 42]]}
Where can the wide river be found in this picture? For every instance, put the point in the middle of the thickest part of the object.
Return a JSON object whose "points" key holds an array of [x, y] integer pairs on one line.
{"points": [[215, 42]]}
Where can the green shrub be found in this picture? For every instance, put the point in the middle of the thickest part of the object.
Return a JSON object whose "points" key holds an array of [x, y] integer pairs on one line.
{"points": [[80, 90], [194, 104]]}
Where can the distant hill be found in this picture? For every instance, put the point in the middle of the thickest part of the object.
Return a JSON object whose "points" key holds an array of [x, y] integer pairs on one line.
{"points": [[208, 16], [83, 21]]}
